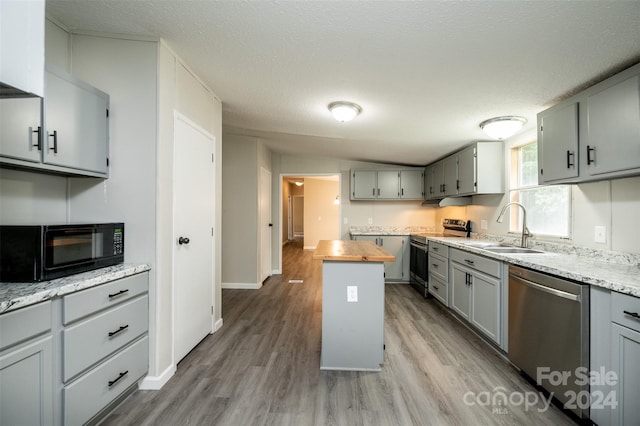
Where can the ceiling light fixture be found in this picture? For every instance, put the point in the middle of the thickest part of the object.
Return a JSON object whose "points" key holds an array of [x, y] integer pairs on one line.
{"points": [[298, 183], [502, 127], [344, 111]]}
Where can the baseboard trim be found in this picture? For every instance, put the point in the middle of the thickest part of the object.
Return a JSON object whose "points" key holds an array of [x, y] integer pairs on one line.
{"points": [[217, 325], [157, 382], [242, 286], [309, 247]]}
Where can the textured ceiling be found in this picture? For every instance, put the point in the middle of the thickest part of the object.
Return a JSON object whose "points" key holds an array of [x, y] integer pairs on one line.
{"points": [[426, 73]]}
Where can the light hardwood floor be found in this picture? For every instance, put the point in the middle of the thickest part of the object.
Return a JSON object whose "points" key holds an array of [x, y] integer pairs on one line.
{"points": [[262, 367]]}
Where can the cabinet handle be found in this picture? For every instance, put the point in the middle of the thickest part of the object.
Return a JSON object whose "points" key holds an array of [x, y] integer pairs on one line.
{"points": [[120, 330], [430, 189], [121, 292], [39, 142], [435, 287], [443, 187], [569, 159], [401, 191], [378, 191], [120, 376], [373, 192], [435, 265], [434, 248], [457, 184], [55, 141], [589, 151], [469, 262], [633, 314]]}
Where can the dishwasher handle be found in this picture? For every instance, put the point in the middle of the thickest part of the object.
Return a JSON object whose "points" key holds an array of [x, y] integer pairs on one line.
{"points": [[559, 293]]}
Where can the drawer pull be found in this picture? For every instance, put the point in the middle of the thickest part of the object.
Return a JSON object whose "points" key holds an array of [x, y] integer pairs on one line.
{"points": [[435, 287], [633, 314], [120, 293], [434, 248], [435, 265], [113, 382], [469, 262], [121, 329]]}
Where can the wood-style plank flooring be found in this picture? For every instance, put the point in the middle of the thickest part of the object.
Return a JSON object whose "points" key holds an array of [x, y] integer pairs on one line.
{"points": [[262, 367]]}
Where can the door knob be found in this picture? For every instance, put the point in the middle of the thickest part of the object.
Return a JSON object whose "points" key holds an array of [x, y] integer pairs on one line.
{"points": [[183, 240]]}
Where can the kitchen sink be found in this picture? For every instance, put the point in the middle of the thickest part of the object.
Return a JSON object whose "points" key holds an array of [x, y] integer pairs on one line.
{"points": [[512, 250], [479, 244]]}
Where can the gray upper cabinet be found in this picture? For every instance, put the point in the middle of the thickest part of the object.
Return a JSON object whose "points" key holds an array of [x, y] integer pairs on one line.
{"points": [[477, 169], [66, 133], [558, 143], [406, 184], [77, 131], [593, 135]]}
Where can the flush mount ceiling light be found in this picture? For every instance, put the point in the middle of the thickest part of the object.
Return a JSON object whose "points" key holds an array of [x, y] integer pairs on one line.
{"points": [[344, 111], [502, 127]]}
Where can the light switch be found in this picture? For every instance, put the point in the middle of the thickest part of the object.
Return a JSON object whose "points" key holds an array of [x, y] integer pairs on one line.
{"points": [[370, 220], [346, 220], [600, 234], [352, 293], [483, 224]]}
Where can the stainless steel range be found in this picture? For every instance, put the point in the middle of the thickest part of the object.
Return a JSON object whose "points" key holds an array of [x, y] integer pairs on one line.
{"points": [[419, 246]]}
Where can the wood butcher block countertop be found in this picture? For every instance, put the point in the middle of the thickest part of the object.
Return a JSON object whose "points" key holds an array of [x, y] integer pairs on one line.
{"points": [[351, 251]]}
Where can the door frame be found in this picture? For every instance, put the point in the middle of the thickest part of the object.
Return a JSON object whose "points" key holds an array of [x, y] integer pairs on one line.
{"points": [[280, 213]]}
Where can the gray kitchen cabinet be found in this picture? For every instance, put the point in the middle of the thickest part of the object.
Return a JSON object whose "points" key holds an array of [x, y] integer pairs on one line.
{"points": [[593, 135], [615, 357], [412, 184], [22, 56], [438, 267], [475, 291], [398, 246], [477, 169], [400, 184], [26, 366], [558, 143], [68, 134], [21, 129], [77, 125]]}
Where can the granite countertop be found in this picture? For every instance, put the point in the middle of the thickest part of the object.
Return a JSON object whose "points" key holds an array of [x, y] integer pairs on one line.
{"points": [[351, 251], [18, 295], [619, 277], [389, 230]]}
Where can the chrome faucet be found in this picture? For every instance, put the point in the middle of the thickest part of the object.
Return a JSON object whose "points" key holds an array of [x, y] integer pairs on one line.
{"points": [[525, 230]]}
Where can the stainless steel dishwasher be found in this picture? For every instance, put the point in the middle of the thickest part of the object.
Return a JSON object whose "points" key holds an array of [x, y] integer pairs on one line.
{"points": [[549, 334]]}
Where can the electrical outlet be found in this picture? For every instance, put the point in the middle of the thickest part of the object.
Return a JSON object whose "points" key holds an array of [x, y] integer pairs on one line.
{"points": [[352, 293], [370, 221], [484, 224], [345, 220], [600, 234]]}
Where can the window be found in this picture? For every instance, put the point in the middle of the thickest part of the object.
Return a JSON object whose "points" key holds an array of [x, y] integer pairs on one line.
{"points": [[548, 207]]}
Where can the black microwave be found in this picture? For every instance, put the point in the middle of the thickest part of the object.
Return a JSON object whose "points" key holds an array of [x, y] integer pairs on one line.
{"points": [[45, 252]]}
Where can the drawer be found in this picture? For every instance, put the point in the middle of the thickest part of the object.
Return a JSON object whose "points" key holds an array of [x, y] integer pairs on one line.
{"points": [[85, 397], [438, 289], [438, 248], [86, 302], [621, 303], [23, 324], [89, 341], [438, 266], [479, 263]]}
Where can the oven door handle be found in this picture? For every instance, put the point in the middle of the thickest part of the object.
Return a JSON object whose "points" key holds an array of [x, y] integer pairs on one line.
{"points": [[418, 246]]}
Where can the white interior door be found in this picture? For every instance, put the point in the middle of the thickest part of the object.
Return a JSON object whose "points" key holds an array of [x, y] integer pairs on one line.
{"points": [[266, 226], [193, 213]]}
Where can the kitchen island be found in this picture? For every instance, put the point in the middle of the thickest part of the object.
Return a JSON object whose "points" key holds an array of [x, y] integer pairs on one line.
{"points": [[352, 304]]}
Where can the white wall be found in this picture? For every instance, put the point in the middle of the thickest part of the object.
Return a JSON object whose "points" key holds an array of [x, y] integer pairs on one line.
{"points": [[321, 214]]}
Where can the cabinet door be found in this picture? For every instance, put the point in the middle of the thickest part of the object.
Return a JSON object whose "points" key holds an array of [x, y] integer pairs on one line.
{"points": [[460, 293], [77, 125], [19, 123], [363, 184], [558, 144], [467, 171], [438, 289], [485, 300], [388, 185], [450, 165], [411, 184], [394, 245], [612, 142], [431, 188], [626, 364], [22, 45], [26, 384]]}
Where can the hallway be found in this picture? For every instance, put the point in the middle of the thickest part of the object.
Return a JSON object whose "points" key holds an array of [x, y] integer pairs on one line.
{"points": [[262, 367]]}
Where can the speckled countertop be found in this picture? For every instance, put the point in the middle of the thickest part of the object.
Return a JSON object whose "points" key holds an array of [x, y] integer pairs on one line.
{"points": [[587, 267], [612, 270], [18, 295]]}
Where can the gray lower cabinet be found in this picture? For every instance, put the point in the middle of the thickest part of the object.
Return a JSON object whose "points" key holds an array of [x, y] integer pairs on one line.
{"points": [[104, 346], [475, 291], [397, 245], [26, 366], [615, 357], [438, 267]]}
